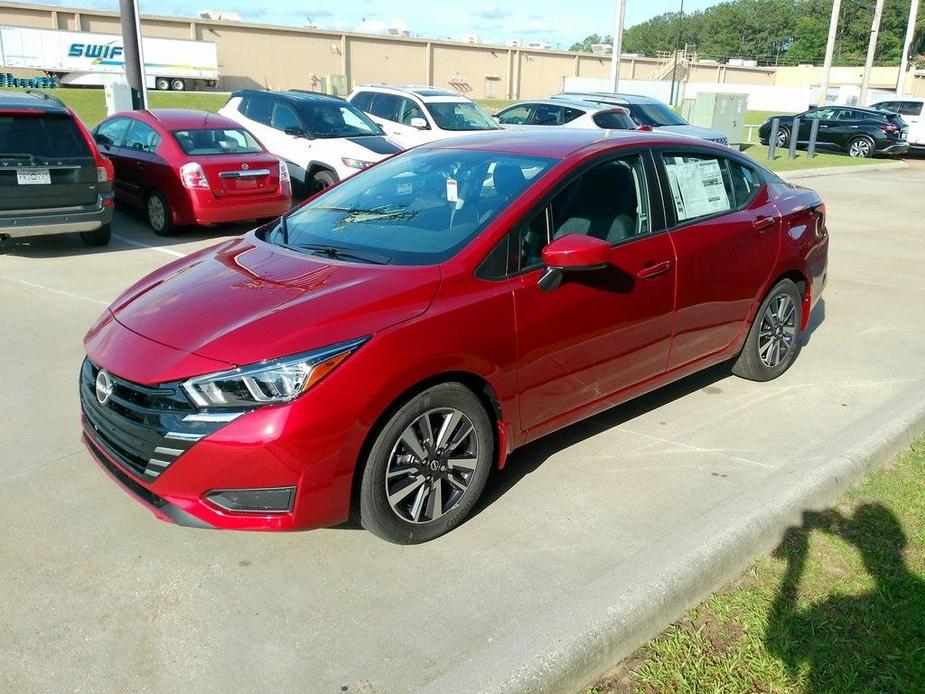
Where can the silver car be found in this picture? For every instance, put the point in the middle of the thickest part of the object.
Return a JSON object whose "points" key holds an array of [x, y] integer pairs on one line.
{"points": [[647, 112]]}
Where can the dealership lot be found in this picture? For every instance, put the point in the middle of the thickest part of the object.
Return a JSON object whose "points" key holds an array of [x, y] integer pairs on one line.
{"points": [[127, 603]]}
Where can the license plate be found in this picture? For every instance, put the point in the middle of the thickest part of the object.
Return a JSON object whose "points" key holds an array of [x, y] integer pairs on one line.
{"points": [[33, 177]]}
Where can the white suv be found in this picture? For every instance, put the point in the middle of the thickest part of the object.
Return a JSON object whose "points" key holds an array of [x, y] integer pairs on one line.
{"points": [[912, 110], [322, 138], [414, 115]]}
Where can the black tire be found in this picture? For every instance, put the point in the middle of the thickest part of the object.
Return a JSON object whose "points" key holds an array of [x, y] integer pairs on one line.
{"points": [[97, 237], [322, 180], [861, 147], [160, 223], [755, 362], [178, 85], [783, 136], [396, 524], [162, 84]]}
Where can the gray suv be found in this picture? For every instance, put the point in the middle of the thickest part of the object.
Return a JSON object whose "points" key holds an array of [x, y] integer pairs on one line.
{"points": [[53, 179]]}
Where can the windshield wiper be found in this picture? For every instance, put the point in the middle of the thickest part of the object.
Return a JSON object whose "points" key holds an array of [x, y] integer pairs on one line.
{"points": [[340, 254]]}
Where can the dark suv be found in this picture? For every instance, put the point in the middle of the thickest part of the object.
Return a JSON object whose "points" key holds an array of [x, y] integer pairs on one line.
{"points": [[861, 132], [53, 179]]}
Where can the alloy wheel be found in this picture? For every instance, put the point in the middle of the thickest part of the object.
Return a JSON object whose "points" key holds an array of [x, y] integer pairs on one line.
{"points": [[157, 214], [431, 465], [778, 331], [859, 148], [781, 138]]}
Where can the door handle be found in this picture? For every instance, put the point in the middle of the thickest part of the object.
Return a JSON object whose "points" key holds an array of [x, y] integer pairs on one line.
{"points": [[762, 223], [654, 270]]}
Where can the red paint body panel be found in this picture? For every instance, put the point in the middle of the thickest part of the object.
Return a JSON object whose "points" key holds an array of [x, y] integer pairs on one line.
{"points": [[666, 305], [138, 173]]}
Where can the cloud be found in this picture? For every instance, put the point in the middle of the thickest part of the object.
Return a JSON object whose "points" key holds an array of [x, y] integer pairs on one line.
{"points": [[317, 13], [491, 12], [535, 26], [379, 26]]}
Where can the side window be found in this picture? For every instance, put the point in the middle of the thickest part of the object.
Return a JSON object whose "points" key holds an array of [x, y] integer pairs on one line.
{"points": [[517, 115], [885, 106], [609, 202], [531, 239], [547, 115], [910, 108], [142, 137], [408, 109], [112, 132], [284, 116], [259, 108], [745, 183], [848, 114], [571, 114], [697, 184], [362, 100], [385, 106]]}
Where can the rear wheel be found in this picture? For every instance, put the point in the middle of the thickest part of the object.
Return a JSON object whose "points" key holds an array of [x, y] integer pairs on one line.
{"points": [[178, 85], [427, 466], [773, 341], [162, 84], [322, 180], [97, 237], [861, 147], [159, 216]]}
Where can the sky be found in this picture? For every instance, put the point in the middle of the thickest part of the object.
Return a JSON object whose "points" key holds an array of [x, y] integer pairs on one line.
{"points": [[558, 22]]}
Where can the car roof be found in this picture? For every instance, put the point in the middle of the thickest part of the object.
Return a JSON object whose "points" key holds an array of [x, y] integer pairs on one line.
{"points": [[424, 92], [862, 109], [299, 96], [189, 118], [558, 143], [588, 106], [34, 101], [605, 97]]}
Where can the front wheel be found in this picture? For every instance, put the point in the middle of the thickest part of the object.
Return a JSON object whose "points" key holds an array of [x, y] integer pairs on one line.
{"points": [[322, 180], [861, 147], [97, 237], [783, 136], [773, 341], [428, 466]]}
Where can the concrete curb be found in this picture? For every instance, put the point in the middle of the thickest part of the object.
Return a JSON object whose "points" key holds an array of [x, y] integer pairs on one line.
{"points": [[797, 174], [585, 634]]}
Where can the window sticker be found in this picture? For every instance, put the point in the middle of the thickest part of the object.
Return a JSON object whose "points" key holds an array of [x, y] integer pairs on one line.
{"points": [[697, 187], [452, 190]]}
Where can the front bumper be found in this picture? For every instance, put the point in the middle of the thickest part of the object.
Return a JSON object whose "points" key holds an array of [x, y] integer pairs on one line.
{"points": [[57, 221]]}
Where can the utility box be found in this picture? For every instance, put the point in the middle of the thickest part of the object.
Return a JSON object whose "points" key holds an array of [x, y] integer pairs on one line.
{"points": [[721, 111], [336, 85], [118, 95]]}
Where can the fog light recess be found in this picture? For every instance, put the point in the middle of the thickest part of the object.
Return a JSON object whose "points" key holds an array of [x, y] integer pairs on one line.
{"points": [[274, 500]]}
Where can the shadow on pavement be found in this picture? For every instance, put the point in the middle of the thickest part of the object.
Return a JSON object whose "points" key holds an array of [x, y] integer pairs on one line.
{"points": [[816, 318], [873, 641]]}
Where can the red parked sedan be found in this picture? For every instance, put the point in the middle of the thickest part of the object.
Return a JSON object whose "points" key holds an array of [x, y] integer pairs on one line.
{"points": [[386, 345], [192, 167]]}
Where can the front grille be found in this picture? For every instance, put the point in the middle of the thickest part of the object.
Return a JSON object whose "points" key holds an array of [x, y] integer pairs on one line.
{"points": [[141, 427]]}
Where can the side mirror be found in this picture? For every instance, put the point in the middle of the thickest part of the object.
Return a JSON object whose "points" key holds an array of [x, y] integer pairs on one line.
{"points": [[572, 253], [102, 140], [645, 127], [419, 123], [298, 132]]}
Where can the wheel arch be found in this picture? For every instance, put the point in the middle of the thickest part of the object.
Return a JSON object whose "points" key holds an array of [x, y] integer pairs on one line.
{"points": [[803, 285]]}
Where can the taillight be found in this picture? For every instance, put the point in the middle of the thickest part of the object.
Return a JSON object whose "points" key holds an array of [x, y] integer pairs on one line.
{"points": [[889, 128], [104, 169], [283, 172], [193, 176]]}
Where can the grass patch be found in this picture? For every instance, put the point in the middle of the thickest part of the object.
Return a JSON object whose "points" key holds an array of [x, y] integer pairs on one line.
{"points": [[839, 607], [822, 159]]}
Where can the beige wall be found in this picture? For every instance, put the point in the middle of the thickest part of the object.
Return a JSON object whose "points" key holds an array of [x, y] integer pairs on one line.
{"points": [[253, 55]]}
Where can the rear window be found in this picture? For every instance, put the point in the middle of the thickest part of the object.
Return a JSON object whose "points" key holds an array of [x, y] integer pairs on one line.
{"points": [[216, 141], [45, 135], [614, 120]]}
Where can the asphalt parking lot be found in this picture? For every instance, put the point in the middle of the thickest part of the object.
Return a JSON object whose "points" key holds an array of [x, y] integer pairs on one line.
{"points": [[96, 595]]}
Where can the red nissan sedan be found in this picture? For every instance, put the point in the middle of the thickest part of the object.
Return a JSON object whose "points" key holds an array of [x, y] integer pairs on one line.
{"points": [[387, 344], [192, 167]]}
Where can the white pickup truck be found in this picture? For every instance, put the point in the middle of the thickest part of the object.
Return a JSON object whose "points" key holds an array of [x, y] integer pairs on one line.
{"points": [[81, 58]]}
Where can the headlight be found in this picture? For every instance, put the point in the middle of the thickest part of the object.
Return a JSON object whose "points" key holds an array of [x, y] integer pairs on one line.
{"points": [[355, 163], [279, 380]]}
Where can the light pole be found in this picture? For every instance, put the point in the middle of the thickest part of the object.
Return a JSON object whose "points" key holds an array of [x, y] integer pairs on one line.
{"points": [[134, 55], [829, 49], [907, 46], [871, 50], [677, 49], [617, 50]]}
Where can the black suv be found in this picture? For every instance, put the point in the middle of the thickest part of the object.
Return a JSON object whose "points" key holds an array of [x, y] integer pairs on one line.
{"points": [[53, 179], [861, 132]]}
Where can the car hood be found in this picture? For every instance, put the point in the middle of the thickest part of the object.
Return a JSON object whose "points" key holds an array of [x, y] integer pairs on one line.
{"points": [[245, 300], [692, 131], [374, 144]]}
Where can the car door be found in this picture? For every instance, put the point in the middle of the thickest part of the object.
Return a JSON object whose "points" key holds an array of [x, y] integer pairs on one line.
{"points": [[601, 331], [110, 137], [827, 123], [141, 172], [726, 234]]}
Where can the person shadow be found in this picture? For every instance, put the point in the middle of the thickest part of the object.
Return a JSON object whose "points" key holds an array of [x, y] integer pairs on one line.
{"points": [[871, 641]]}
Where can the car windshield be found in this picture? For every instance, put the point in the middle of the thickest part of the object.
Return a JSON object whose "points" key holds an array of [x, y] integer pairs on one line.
{"points": [[41, 135], [655, 115], [461, 115], [418, 208], [337, 120], [216, 141]]}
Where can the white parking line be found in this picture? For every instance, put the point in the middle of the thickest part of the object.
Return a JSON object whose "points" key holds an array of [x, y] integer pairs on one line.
{"points": [[138, 244], [56, 291]]}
